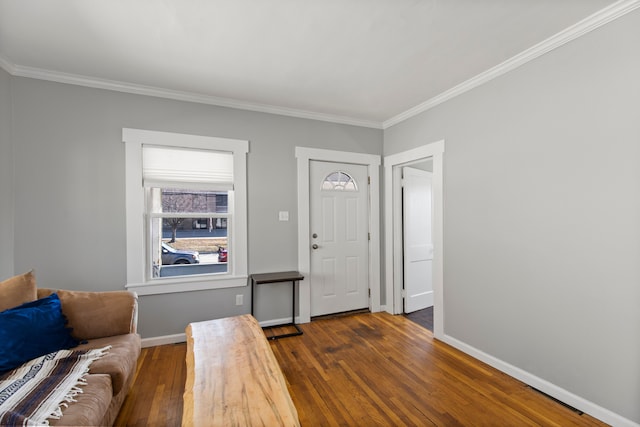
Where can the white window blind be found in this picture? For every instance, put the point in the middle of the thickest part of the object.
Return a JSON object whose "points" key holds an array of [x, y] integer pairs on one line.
{"points": [[174, 167]]}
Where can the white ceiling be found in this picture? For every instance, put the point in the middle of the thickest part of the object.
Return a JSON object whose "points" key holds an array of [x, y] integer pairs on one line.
{"points": [[360, 61]]}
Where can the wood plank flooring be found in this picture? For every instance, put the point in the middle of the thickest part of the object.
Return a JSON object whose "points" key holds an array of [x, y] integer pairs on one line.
{"points": [[365, 370], [156, 396]]}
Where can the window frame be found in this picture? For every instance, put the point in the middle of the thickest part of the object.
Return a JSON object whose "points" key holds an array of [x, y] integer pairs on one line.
{"points": [[136, 234]]}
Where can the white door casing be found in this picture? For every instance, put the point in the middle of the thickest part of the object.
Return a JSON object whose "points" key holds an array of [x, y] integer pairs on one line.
{"points": [[339, 244], [393, 229], [304, 155], [417, 239]]}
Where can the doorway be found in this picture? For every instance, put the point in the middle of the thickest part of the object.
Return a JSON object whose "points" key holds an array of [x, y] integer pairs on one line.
{"points": [[394, 259], [339, 202], [304, 157], [417, 181]]}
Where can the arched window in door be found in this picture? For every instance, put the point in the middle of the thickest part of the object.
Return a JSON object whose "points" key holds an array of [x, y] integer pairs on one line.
{"points": [[339, 181]]}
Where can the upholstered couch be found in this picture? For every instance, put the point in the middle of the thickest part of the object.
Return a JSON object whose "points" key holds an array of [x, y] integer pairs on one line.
{"points": [[97, 319]]}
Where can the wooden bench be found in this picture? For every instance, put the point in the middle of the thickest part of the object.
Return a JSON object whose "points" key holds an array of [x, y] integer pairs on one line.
{"points": [[233, 378]]}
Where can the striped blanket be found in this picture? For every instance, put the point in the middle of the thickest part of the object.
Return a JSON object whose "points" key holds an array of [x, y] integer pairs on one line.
{"points": [[40, 388]]}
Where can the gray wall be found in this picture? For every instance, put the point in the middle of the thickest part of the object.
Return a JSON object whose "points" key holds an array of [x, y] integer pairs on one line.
{"points": [[542, 215], [6, 179], [70, 190]]}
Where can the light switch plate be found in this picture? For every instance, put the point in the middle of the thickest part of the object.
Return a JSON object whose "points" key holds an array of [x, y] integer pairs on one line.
{"points": [[283, 216]]}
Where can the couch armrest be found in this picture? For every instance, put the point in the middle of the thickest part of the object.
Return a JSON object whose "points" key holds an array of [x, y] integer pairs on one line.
{"points": [[98, 314]]}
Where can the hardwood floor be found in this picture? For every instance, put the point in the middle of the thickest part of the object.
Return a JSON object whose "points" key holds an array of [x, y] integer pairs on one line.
{"points": [[365, 370], [156, 396]]}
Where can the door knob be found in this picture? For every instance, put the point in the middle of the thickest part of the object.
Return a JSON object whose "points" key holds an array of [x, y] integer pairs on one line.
{"points": [[314, 246]]}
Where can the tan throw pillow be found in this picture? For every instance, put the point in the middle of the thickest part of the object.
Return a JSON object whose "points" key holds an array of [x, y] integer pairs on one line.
{"points": [[86, 312], [17, 290]]}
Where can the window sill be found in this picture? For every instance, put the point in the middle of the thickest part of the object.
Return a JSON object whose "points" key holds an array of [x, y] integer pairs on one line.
{"points": [[185, 284]]}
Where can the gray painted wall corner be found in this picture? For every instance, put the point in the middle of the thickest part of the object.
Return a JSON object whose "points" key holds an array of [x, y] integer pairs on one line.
{"points": [[6, 179]]}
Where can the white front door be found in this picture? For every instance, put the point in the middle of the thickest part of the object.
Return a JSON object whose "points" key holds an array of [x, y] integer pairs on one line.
{"points": [[339, 194], [418, 241]]}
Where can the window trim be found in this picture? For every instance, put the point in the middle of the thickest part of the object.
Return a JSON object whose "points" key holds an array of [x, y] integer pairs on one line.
{"points": [[137, 281]]}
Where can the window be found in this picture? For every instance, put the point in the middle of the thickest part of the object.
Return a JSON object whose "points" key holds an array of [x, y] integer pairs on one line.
{"points": [[339, 181], [187, 232], [186, 212]]}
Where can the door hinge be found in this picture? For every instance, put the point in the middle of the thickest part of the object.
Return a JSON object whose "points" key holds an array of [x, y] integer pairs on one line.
{"points": [[369, 180], [368, 236], [369, 292], [404, 293]]}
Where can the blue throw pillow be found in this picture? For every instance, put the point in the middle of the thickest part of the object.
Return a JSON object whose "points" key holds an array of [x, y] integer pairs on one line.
{"points": [[32, 330]]}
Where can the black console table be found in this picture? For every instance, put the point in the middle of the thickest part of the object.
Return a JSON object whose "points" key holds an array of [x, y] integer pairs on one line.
{"points": [[282, 276]]}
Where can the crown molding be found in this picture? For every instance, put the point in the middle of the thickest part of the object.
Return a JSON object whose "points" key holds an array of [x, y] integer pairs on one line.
{"points": [[79, 80], [592, 22], [7, 65], [596, 20]]}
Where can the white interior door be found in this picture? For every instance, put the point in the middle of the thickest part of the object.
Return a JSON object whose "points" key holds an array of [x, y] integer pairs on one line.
{"points": [[418, 240], [339, 194]]}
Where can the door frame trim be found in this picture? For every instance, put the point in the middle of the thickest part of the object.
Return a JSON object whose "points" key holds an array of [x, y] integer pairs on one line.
{"points": [[304, 155], [393, 229]]}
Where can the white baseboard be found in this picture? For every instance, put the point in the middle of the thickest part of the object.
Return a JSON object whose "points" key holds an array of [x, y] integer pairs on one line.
{"points": [[276, 322], [163, 340], [287, 320], [545, 386], [178, 338]]}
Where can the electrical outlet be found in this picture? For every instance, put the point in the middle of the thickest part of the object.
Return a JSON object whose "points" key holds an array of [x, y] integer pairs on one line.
{"points": [[239, 299]]}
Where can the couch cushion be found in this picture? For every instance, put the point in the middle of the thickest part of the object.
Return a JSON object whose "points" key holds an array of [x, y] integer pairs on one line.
{"points": [[32, 330], [86, 312], [17, 290], [120, 362], [90, 406]]}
